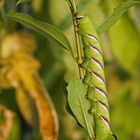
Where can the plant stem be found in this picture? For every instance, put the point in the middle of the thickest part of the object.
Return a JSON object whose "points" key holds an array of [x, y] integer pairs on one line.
{"points": [[78, 48], [77, 39]]}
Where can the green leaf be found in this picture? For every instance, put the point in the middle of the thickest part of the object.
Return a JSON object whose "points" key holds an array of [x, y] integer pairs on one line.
{"points": [[123, 35], [80, 105], [22, 1], [118, 12], [42, 28]]}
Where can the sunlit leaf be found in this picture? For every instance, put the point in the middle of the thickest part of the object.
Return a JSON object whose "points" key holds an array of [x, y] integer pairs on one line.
{"points": [[26, 107], [80, 105], [42, 28], [118, 12]]}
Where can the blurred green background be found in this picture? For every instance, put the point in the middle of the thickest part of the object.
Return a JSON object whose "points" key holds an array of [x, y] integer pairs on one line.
{"points": [[121, 48]]}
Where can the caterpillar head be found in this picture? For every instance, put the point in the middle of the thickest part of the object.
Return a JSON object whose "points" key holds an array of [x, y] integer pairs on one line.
{"points": [[79, 15], [84, 24]]}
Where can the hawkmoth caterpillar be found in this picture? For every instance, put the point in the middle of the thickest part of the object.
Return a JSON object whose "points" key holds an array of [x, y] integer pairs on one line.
{"points": [[94, 76]]}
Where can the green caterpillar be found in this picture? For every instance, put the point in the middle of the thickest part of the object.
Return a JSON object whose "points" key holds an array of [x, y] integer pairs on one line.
{"points": [[94, 76]]}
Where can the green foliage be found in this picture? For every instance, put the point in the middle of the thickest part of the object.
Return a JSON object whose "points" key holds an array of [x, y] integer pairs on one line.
{"points": [[2, 118], [42, 28], [118, 12], [122, 36], [80, 105], [15, 133], [22, 1], [125, 116], [122, 49]]}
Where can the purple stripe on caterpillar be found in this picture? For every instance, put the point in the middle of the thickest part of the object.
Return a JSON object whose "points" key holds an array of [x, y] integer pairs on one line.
{"points": [[97, 63], [105, 121], [92, 37], [101, 79], [103, 105], [100, 91], [95, 49]]}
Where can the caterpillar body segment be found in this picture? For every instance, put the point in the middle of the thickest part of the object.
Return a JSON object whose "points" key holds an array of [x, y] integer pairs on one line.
{"points": [[94, 76]]}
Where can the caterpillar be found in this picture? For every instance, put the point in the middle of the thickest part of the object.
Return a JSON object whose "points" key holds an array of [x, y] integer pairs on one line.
{"points": [[94, 76]]}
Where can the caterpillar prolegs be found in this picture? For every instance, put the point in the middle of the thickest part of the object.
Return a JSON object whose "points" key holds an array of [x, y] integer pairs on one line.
{"points": [[94, 76]]}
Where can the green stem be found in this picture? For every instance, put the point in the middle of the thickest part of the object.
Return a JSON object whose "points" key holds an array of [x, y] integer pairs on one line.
{"points": [[78, 48], [77, 38]]}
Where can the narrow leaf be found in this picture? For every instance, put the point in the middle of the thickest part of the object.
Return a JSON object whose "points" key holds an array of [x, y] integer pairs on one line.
{"points": [[26, 108], [118, 12], [80, 105], [42, 28], [22, 1]]}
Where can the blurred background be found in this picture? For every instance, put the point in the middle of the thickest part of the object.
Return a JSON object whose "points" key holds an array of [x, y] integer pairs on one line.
{"points": [[121, 48]]}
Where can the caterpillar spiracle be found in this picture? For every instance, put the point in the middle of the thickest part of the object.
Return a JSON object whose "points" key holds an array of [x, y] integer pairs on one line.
{"points": [[94, 76]]}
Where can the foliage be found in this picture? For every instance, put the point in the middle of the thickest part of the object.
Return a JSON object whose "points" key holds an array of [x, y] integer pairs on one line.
{"points": [[22, 1], [121, 53], [80, 105], [41, 27], [118, 12]]}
